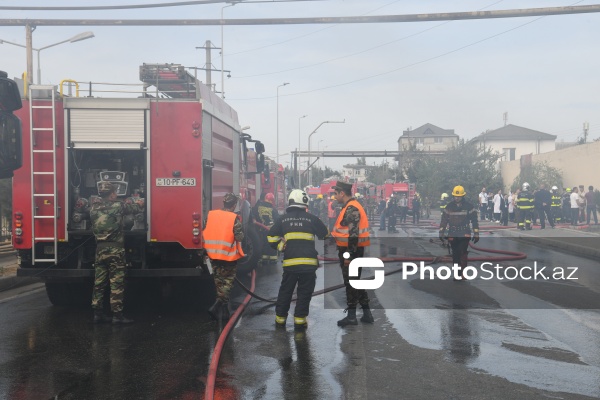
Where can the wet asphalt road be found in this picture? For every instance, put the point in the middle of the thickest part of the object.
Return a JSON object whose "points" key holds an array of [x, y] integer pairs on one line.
{"points": [[522, 341]]}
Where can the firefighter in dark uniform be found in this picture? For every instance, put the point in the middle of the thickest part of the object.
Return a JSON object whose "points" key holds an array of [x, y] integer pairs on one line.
{"points": [[294, 234], [351, 233], [556, 205], [525, 205], [223, 237], [265, 213], [458, 216]]}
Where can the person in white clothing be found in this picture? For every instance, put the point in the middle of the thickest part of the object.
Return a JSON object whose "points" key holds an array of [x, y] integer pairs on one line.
{"points": [[483, 204], [574, 206], [497, 203]]}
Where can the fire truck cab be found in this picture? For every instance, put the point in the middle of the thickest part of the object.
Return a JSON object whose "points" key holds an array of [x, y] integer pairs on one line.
{"points": [[175, 144]]}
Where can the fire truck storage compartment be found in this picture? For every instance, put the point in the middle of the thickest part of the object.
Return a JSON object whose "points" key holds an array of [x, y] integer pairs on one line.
{"points": [[106, 140]]}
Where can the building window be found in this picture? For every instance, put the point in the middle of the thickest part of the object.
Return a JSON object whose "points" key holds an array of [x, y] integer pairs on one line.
{"points": [[420, 141], [438, 140], [509, 154]]}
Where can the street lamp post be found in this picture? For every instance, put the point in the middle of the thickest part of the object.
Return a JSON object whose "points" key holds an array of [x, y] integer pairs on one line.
{"points": [[76, 38], [297, 154], [309, 136], [283, 84]]}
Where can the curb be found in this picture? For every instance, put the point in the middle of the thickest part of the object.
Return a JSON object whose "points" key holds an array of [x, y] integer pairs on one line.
{"points": [[13, 282], [557, 243]]}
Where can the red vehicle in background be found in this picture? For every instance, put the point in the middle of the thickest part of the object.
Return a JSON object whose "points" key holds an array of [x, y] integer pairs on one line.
{"points": [[179, 146], [273, 181], [398, 189]]}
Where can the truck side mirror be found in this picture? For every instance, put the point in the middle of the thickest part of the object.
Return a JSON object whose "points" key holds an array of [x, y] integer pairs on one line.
{"points": [[260, 162], [11, 155], [259, 147]]}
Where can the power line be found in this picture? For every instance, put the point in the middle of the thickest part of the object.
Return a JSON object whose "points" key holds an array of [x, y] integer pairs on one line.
{"points": [[375, 19], [137, 6]]}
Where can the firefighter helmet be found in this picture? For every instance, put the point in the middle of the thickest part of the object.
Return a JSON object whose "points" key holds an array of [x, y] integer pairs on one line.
{"points": [[298, 198], [319, 196], [458, 191], [554, 188], [525, 186], [105, 187], [270, 198]]}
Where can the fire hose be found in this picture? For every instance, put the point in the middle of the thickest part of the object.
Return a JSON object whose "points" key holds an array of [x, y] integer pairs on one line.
{"points": [[214, 363]]}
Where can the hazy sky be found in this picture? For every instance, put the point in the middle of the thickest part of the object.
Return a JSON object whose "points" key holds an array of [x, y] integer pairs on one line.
{"points": [[380, 78]]}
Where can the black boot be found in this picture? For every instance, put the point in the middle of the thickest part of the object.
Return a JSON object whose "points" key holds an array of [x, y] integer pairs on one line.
{"points": [[215, 310], [118, 319], [350, 319], [100, 317], [367, 316], [225, 312]]}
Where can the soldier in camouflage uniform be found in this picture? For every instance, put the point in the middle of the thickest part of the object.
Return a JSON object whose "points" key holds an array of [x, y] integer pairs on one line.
{"points": [[351, 233], [223, 270], [107, 220]]}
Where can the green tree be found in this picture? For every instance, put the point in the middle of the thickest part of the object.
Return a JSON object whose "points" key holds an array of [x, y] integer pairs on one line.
{"points": [[383, 172], [467, 165], [537, 174]]}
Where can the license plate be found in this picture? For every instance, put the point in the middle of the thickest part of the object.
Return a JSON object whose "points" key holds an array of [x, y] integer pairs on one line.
{"points": [[175, 181]]}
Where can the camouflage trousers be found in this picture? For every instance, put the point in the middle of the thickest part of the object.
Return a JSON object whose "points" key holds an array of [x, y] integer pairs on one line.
{"points": [[110, 265], [353, 296], [224, 275]]}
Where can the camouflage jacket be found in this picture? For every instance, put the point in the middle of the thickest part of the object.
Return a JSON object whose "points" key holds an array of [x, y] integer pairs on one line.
{"points": [[351, 219], [107, 219]]}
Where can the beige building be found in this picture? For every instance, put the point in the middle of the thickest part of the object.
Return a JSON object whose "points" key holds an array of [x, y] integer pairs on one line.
{"points": [[428, 138], [515, 141], [580, 165]]}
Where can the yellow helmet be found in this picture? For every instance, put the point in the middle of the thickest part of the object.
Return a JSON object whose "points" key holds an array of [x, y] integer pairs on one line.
{"points": [[319, 196], [458, 191]]}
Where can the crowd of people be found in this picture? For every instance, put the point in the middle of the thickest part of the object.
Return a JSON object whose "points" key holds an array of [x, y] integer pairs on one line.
{"points": [[526, 205]]}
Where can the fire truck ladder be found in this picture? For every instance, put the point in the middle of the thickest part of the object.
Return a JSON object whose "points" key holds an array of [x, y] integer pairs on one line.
{"points": [[43, 175]]}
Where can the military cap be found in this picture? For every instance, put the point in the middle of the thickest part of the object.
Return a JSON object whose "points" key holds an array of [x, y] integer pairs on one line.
{"points": [[344, 187], [230, 198], [105, 187]]}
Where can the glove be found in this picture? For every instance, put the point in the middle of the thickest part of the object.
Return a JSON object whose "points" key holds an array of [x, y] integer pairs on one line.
{"points": [[475, 238], [281, 245]]}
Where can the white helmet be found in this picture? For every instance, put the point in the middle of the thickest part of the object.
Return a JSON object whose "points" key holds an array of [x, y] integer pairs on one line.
{"points": [[526, 186], [298, 198], [554, 188]]}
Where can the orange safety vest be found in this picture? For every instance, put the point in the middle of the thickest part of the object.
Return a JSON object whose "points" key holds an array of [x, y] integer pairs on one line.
{"points": [[219, 240], [330, 210], [341, 233]]}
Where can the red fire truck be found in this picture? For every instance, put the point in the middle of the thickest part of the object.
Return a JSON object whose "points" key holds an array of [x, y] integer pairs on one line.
{"points": [[176, 144], [273, 181], [399, 188]]}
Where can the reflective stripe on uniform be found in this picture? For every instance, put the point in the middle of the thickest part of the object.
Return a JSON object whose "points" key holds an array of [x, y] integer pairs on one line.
{"points": [[273, 239], [219, 242], [299, 236], [290, 262]]}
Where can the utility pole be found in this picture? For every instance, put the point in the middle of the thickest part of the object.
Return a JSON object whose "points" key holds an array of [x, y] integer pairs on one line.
{"points": [[208, 67], [29, 45], [586, 127], [505, 116]]}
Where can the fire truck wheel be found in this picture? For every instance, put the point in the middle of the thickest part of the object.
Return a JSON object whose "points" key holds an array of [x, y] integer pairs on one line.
{"points": [[58, 293], [252, 246]]}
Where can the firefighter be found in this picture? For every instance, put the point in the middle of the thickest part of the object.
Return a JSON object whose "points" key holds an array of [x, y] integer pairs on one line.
{"points": [[351, 234], [223, 237], [566, 205], [294, 233], [265, 213], [107, 219], [556, 205], [459, 215], [443, 202], [525, 205]]}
